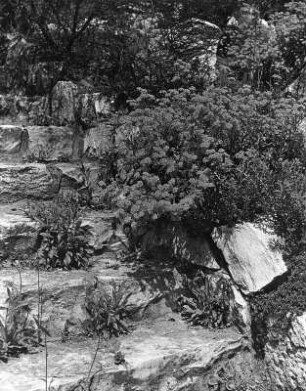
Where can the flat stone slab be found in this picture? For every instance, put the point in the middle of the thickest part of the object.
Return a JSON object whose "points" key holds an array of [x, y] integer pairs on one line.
{"points": [[63, 292], [29, 180], [156, 354]]}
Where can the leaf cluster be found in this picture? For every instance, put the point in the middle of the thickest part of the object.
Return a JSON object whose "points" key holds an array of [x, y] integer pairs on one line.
{"points": [[209, 304], [107, 309], [219, 157], [63, 241], [17, 333]]}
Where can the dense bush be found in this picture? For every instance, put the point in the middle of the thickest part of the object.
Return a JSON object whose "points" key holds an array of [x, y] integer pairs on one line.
{"points": [[219, 157]]}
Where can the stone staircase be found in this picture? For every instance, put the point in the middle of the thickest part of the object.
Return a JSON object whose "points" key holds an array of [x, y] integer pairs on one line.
{"points": [[162, 353]]}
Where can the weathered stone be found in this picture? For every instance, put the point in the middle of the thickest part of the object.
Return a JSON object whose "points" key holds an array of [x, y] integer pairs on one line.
{"points": [[98, 140], [286, 358], [249, 254], [50, 143], [176, 241], [103, 105], [64, 103], [155, 358], [70, 104], [30, 180], [83, 179], [22, 109], [17, 231], [105, 236], [13, 141]]}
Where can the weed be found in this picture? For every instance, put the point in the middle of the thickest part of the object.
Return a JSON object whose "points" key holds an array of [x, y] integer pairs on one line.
{"points": [[209, 302], [63, 241], [17, 332], [107, 309]]}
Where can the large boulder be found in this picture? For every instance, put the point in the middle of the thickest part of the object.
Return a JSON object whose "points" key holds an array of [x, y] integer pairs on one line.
{"points": [[29, 180], [285, 356], [248, 251]]}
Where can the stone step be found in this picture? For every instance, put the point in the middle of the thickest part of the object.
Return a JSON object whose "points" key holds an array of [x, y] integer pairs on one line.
{"points": [[38, 144], [18, 232], [19, 181], [63, 292], [29, 180], [158, 355]]}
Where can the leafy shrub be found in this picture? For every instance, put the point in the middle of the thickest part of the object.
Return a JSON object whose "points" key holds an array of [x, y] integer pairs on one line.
{"points": [[209, 304], [62, 239], [107, 310], [216, 158], [17, 334]]}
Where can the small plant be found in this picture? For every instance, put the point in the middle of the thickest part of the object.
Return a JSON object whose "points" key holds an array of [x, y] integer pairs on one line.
{"points": [[17, 332], [209, 304], [63, 241], [107, 309]]}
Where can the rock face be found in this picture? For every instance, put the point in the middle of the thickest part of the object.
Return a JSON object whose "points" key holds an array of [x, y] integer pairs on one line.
{"points": [[31, 180], [286, 360], [251, 260]]}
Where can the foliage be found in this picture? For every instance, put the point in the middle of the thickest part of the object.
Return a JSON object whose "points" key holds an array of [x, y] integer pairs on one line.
{"points": [[108, 309], [17, 333], [209, 304], [63, 241], [215, 157]]}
